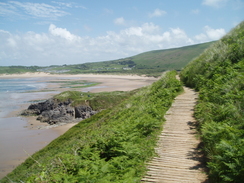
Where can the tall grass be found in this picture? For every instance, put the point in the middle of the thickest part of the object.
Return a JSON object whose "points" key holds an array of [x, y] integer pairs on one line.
{"points": [[218, 75]]}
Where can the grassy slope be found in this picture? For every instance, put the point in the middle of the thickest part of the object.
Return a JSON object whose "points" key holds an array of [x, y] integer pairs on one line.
{"points": [[97, 101], [111, 146], [175, 58], [218, 74], [151, 63]]}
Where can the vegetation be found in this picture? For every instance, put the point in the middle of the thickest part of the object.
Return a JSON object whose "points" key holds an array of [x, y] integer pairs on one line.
{"points": [[97, 101], [17, 69], [74, 84], [169, 59], [218, 76], [111, 146], [151, 63]]}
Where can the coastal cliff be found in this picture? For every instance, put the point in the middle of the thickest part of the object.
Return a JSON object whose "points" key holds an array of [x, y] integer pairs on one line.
{"points": [[73, 106]]}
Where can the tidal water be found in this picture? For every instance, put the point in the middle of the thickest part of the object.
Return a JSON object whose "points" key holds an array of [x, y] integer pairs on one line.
{"points": [[12, 93], [17, 141]]}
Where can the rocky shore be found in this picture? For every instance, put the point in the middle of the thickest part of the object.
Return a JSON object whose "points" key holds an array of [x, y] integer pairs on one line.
{"points": [[52, 111]]}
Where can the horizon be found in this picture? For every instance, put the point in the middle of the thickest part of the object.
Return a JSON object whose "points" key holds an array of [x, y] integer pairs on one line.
{"points": [[74, 32]]}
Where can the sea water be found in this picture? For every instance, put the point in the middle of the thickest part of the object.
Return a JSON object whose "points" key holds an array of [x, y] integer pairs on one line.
{"points": [[13, 93], [17, 141], [20, 85]]}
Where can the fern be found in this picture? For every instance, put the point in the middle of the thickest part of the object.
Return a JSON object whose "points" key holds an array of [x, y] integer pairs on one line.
{"points": [[218, 75]]}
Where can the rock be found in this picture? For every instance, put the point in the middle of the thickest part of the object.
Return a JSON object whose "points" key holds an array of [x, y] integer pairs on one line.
{"points": [[53, 111], [81, 110], [30, 112], [84, 112], [59, 114], [49, 104]]}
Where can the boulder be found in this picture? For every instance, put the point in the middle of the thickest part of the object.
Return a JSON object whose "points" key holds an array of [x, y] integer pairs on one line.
{"points": [[84, 112], [53, 111], [61, 113]]}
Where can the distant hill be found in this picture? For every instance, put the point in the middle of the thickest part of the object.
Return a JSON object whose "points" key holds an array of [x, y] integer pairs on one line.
{"points": [[175, 58], [149, 63]]}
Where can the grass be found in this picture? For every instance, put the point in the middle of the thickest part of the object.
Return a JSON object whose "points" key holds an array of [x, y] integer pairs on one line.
{"points": [[36, 91], [111, 146], [218, 76], [169, 59], [97, 101], [74, 84]]}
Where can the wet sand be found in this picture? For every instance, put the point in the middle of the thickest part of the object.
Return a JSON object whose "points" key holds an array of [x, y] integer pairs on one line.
{"points": [[24, 136]]}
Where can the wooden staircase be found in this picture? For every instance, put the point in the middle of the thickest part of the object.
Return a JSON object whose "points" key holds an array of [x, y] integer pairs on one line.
{"points": [[179, 158]]}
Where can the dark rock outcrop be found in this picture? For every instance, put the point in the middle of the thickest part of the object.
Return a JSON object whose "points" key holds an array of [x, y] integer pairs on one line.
{"points": [[53, 111], [84, 112]]}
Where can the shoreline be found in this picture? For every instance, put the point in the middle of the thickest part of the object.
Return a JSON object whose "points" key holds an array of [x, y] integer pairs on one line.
{"points": [[44, 74], [110, 86], [35, 136]]}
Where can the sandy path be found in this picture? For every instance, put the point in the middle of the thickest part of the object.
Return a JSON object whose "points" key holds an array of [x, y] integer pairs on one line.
{"points": [[179, 158]]}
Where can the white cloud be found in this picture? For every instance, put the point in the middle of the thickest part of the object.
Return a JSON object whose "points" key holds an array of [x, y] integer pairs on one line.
{"points": [[59, 46], [214, 34], [214, 3], [6, 9], [119, 21], [201, 37], [63, 33], [68, 5], [210, 34], [12, 42], [37, 10], [150, 28], [180, 36], [157, 13]]}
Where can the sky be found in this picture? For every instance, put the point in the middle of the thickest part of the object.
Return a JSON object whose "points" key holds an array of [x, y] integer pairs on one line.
{"points": [[61, 32]]}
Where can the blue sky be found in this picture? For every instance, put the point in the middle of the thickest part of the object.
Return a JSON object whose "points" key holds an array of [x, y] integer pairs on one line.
{"points": [[61, 32]]}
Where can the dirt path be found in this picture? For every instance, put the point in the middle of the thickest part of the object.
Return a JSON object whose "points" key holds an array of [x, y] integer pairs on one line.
{"points": [[179, 159]]}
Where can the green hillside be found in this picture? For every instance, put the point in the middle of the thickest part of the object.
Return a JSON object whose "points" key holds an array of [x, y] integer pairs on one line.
{"points": [[169, 59], [218, 75], [111, 146], [151, 63]]}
